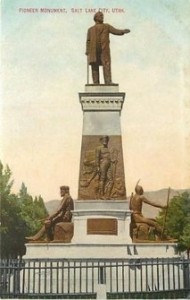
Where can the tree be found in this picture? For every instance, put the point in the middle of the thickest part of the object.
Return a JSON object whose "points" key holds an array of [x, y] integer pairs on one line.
{"points": [[20, 215], [5, 182], [178, 220], [11, 223], [33, 211], [14, 228]]}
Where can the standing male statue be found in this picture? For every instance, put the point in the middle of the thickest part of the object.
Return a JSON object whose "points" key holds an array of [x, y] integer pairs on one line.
{"points": [[63, 214], [97, 47], [105, 165]]}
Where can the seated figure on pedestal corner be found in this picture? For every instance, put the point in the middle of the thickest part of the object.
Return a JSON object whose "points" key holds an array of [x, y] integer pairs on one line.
{"points": [[98, 49], [141, 223], [63, 214]]}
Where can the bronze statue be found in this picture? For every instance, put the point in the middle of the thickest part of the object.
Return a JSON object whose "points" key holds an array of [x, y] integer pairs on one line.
{"points": [[105, 166], [101, 171], [97, 47], [138, 221], [63, 214]]}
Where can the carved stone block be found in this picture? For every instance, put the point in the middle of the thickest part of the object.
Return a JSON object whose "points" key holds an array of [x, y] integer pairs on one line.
{"points": [[142, 232], [107, 183], [63, 232]]}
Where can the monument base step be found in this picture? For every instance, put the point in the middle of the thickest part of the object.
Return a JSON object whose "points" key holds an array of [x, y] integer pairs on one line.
{"points": [[109, 251]]}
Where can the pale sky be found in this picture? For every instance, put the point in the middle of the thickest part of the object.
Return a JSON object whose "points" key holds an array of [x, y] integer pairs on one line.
{"points": [[44, 69]]}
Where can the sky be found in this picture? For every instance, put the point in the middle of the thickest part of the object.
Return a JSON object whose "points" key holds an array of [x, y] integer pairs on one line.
{"points": [[44, 69]]}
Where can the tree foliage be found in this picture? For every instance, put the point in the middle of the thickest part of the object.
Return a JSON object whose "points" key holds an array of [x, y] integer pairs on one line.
{"points": [[20, 215], [178, 220]]}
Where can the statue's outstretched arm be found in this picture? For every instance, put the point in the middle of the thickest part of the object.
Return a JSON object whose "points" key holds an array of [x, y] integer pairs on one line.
{"points": [[116, 31], [152, 203]]}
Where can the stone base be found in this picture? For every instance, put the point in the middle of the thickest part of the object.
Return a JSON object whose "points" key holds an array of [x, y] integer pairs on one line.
{"points": [[102, 88], [63, 232], [109, 251], [101, 221]]}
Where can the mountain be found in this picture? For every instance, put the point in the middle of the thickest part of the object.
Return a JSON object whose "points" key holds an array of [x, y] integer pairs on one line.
{"points": [[159, 196]]}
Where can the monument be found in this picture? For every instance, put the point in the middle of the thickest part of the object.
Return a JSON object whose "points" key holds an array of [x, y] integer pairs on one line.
{"points": [[101, 223], [99, 245]]}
